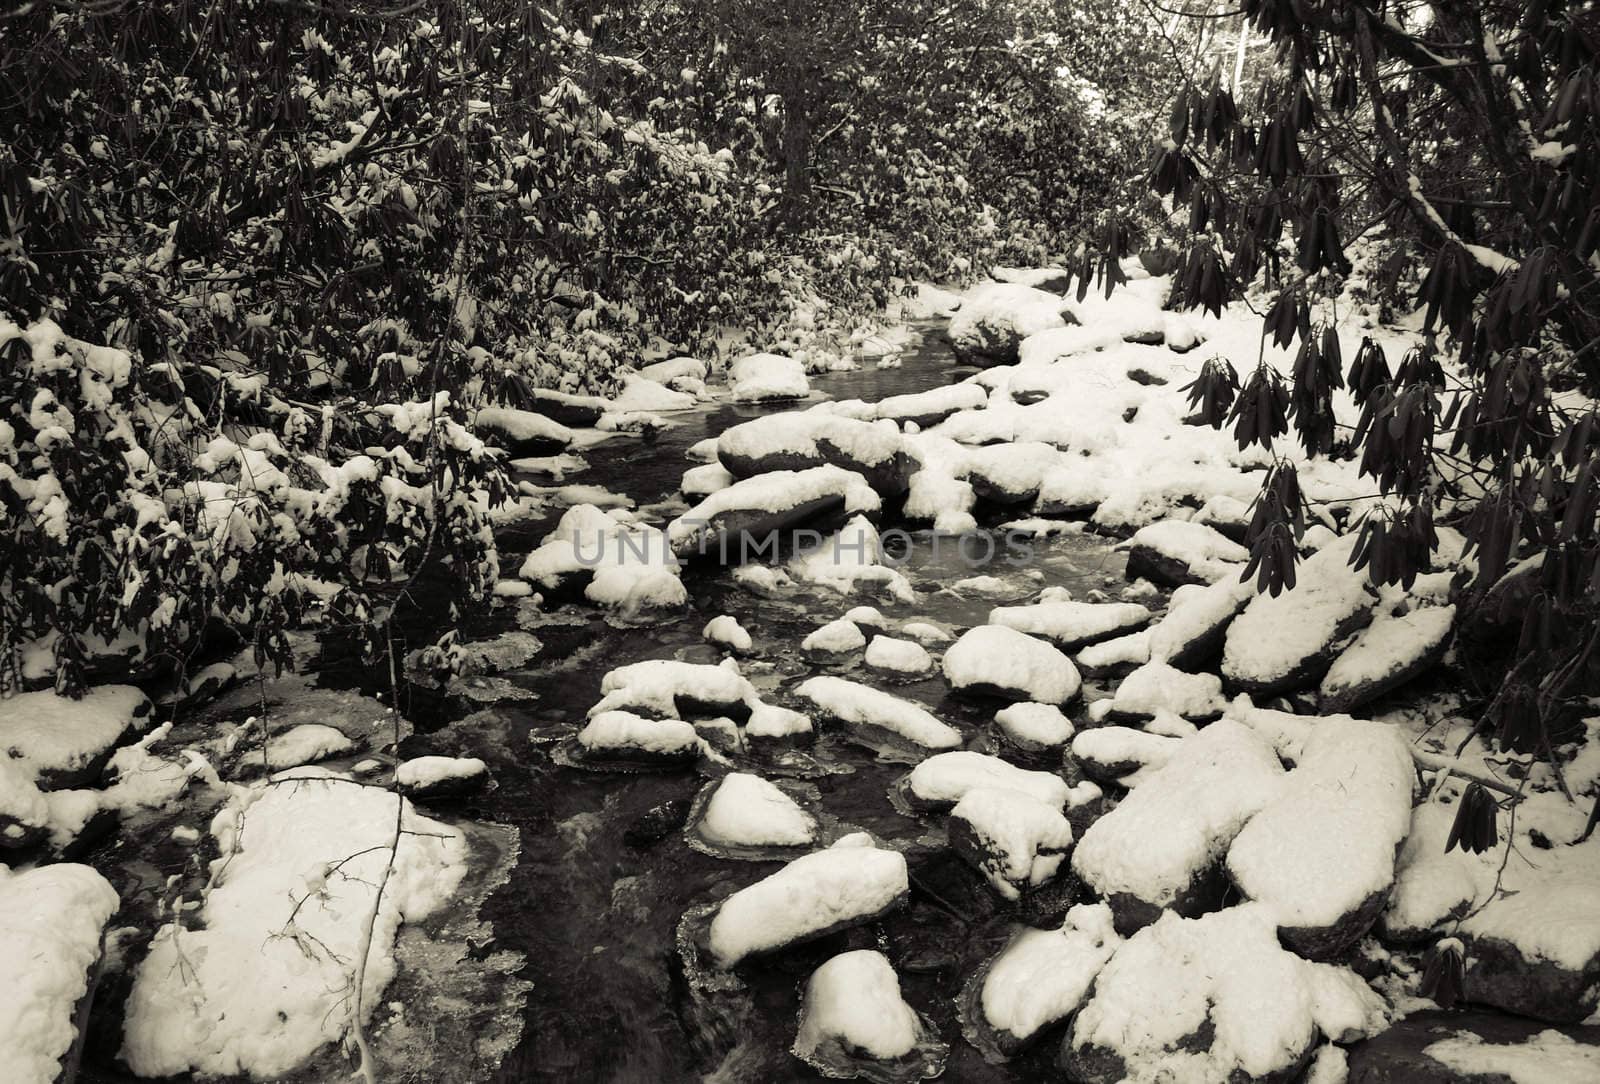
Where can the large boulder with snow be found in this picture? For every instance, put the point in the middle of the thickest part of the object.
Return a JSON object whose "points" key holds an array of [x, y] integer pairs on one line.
{"points": [[1072, 625], [1321, 854], [1286, 643], [764, 378], [850, 883], [522, 432], [1016, 841], [573, 411], [1162, 847], [1039, 978], [995, 319], [812, 438], [1475, 1046], [992, 660], [1214, 998], [1175, 552], [63, 743], [1535, 950], [749, 519], [51, 922], [1387, 654], [24, 810]]}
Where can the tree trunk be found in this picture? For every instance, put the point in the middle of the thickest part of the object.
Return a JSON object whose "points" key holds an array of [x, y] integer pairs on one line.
{"points": [[796, 157]]}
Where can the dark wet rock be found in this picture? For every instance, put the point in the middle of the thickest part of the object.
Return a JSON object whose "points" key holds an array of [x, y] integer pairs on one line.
{"points": [[1399, 1055], [1147, 378], [928, 408], [657, 823], [1177, 552], [1501, 975], [1333, 941], [744, 534], [434, 777], [578, 411], [1305, 671], [1151, 336], [1159, 259]]}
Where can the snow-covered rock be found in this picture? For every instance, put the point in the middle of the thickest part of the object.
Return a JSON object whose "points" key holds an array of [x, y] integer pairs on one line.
{"points": [[775, 726], [1015, 840], [704, 480], [51, 921], [874, 715], [1072, 625], [746, 810], [60, 742], [1175, 551], [1288, 642], [993, 660], [1009, 473], [1110, 754], [522, 432], [673, 689], [1156, 687], [904, 658], [852, 560], [851, 882], [624, 736], [621, 564], [1191, 634], [1385, 655], [579, 411], [1213, 999], [263, 981], [440, 777], [726, 632], [640, 394], [925, 633], [676, 369], [1039, 978], [812, 438], [1034, 727], [761, 378], [853, 1012], [1321, 854], [1162, 847], [1535, 950], [927, 408], [1110, 656], [941, 781], [834, 640], [305, 743], [744, 520], [995, 318]]}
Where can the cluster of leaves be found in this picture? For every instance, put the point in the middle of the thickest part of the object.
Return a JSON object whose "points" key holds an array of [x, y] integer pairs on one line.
{"points": [[1472, 131]]}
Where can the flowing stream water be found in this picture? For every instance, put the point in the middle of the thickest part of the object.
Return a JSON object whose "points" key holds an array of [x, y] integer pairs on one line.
{"points": [[605, 873]]}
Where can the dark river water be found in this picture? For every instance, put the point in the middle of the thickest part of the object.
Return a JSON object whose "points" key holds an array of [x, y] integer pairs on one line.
{"points": [[605, 873]]}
